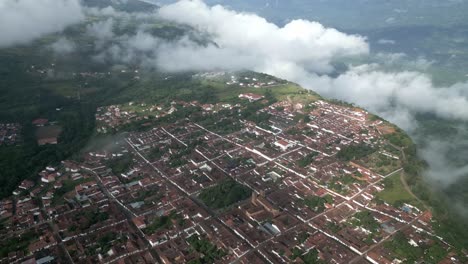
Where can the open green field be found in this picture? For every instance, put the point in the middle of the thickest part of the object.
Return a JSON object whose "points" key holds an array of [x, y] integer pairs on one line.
{"points": [[380, 163], [281, 92], [396, 194]]}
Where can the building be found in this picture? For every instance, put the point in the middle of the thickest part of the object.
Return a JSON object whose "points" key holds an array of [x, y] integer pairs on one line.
{"points": [[48, 178], [139, 222], [47, 141], [40, 122], [284, 145], [251, 97]]}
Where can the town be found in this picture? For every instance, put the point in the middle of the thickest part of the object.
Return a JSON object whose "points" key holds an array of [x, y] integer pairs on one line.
{"points": [[10, 133], [252, 181]]}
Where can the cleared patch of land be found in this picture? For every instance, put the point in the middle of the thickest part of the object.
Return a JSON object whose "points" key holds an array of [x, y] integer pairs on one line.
{"points": [[48, 132], [396, 194]]}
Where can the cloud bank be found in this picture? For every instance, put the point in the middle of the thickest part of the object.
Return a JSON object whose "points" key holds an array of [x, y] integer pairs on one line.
{"points": [[63, 46], [302, 51], [22, 21], [251, 41]]}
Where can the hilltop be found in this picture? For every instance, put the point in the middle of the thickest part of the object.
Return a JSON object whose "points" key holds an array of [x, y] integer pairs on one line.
{"points": [[105, 160]]}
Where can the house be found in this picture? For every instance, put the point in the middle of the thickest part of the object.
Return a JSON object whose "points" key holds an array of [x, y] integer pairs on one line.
{"points": [[48, 178], [47, 141], [207, 107], [139, 222], [71, 166], [251, 97], [26, 185], [58, 185], [259, 200], [40, 122], [284, 145], [206, 167], [145, 182]]}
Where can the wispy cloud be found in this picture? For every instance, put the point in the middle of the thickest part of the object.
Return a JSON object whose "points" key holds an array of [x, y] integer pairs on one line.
{"points": [[22, 21]]}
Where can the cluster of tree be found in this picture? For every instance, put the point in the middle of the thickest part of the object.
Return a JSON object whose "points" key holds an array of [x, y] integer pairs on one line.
{"points": [[18, 243], [156, 153], [121, 164], [224, 194], [27, 160], [92, 218], [355, 152], [223, 122], [159, 223], [178, 159], [232, 163], [311, 257], [399, 139], [307, 160], [209, 253], [67, 186], [429, 253], [450, 222], [104, 243], [317, 203], [366, 220]]}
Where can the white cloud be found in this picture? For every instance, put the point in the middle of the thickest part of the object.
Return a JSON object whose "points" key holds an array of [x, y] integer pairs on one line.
{"points": [[401, 60], [243, 38], [63, 46], [442, 170], [302, 51], [396, 96], [22, 21], [101, 30]]}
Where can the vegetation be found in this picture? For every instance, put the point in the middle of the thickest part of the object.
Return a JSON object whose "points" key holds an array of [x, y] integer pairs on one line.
{"points": [[209, 252], [395, 193], [67, 186], [159, 223], [366, 220], [26, 95], [224, 194], [18, 243], [121, 164], [105, 242], [311, 257], [401, 247], [307, 160], [317, 203], [334, 227], [92, 218], [399, 139], [25, 161], [355, 152], [232, 163], [341, 184], [449, 223]]}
